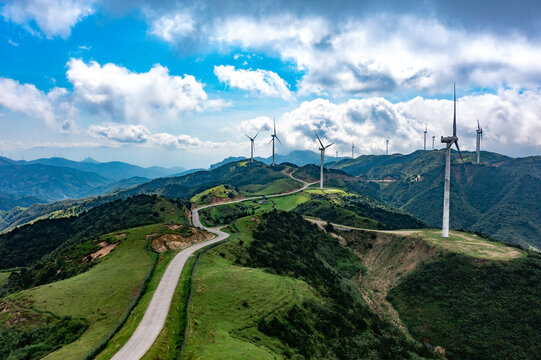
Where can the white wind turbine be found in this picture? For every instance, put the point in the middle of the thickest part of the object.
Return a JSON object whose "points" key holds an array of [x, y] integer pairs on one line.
{"points": [[252, 146], [322, 149], [274, 137], [478, 144], [449, 140]]}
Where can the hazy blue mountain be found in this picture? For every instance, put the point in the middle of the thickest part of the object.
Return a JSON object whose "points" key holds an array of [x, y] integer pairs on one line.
{"points": [[114, 170], [297, 157], [48, 182], [8, 201]]}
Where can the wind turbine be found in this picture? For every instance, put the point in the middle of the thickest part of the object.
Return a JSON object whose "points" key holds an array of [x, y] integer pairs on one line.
{"points": [[273, 137], [449, 140], [478, 144], [252, 146], [387, 147], [322, 149], [433, 138], [426, 130], [352, 148]]}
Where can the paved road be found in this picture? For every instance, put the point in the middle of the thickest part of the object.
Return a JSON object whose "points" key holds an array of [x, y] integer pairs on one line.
{"points": [[154, 319]]}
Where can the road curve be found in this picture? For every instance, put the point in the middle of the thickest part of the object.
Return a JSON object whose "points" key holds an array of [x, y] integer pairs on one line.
{"points": [[156, 313]]}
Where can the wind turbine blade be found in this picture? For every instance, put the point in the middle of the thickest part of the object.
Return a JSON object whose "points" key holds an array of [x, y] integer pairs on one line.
{"points": [[278, 140], [463, 163], [248, 137], [319, 140], [272, 139], [274, 126], [454, 109], [328, 145], [256, 135], [478, 127]]}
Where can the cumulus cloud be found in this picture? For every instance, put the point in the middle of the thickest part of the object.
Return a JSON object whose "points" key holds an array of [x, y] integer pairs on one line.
{"points": [[384, 54], [120, 94], [120, 132], [54, 108], [52, 17], [264, 82], [508, 117], [172, 26], [139, 134]]}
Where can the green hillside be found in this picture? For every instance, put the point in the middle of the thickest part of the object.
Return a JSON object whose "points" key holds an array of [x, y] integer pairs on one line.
{"points": [[305, 305], [217, 193], [51, 250]]}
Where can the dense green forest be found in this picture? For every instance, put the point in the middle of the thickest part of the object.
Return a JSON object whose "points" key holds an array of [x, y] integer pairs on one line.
{"points": [[340, 325], [54, 249], [357, 211], [475, 309]]}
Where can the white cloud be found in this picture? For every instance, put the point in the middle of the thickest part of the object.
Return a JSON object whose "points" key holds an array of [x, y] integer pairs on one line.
{"points": [[173, 26], [120, 94], [54, 107], [385, 54], [11, 42], [120, 132], [139, 134], [509, 118], [264, 82], [53, 17]]}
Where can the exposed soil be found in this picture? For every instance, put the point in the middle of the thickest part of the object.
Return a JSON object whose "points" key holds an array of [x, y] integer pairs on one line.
{"points": [[106, 248], [121, 236], [388, 258], [168, 242]]}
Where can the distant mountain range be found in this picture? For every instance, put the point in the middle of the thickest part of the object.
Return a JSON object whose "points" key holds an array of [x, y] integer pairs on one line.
{"points": [[297, 157], [23, 183]]}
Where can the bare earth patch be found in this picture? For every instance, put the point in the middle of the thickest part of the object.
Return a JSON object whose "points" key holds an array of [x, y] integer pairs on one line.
{"points": [[121, 236], [106, 248], [168, 242]]}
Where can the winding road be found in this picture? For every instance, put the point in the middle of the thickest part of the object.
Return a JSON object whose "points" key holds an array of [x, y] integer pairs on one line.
{"points": [[154, 318]]}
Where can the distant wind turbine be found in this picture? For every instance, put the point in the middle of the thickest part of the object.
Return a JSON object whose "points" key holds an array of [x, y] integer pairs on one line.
{"points": [[478, 144], [352, 150], [273, 138], [449, 140], [387, 147], [426, 130], [433, 138], [322, 149], [252, 146]]}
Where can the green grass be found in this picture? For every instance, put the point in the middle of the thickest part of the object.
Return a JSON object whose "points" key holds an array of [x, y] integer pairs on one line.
{"points": [[228, 301], [3, 278], [470, 244], [172, 329], [100, 295], [318, 191], [217, 192], [274, 187]]}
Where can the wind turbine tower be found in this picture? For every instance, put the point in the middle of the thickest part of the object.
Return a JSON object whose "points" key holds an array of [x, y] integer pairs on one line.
{"points": [[322, 149], [387, 147], [252, 146], [426, 130], [273, 138], [433, 138], [352, 150], [449, 140], [478, 144]]}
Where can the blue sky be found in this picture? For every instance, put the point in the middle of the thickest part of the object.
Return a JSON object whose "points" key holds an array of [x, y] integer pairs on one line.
{"points": [[180, 83]]}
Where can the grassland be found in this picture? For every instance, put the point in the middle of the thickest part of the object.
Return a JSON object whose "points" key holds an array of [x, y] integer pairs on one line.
{"points": [[228, 301], [217, 192], [100, 295], [3, 278], [274, 187], [466, 243], [168, 342]]}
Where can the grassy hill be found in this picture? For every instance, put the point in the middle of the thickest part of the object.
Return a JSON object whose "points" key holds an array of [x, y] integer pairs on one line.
{"points": [[470, 296], [282, 288], [217, 193], [495, 198]]}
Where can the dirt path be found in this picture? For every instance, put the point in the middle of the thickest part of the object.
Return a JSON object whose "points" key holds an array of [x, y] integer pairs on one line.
{"points": [[345, 227]]}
